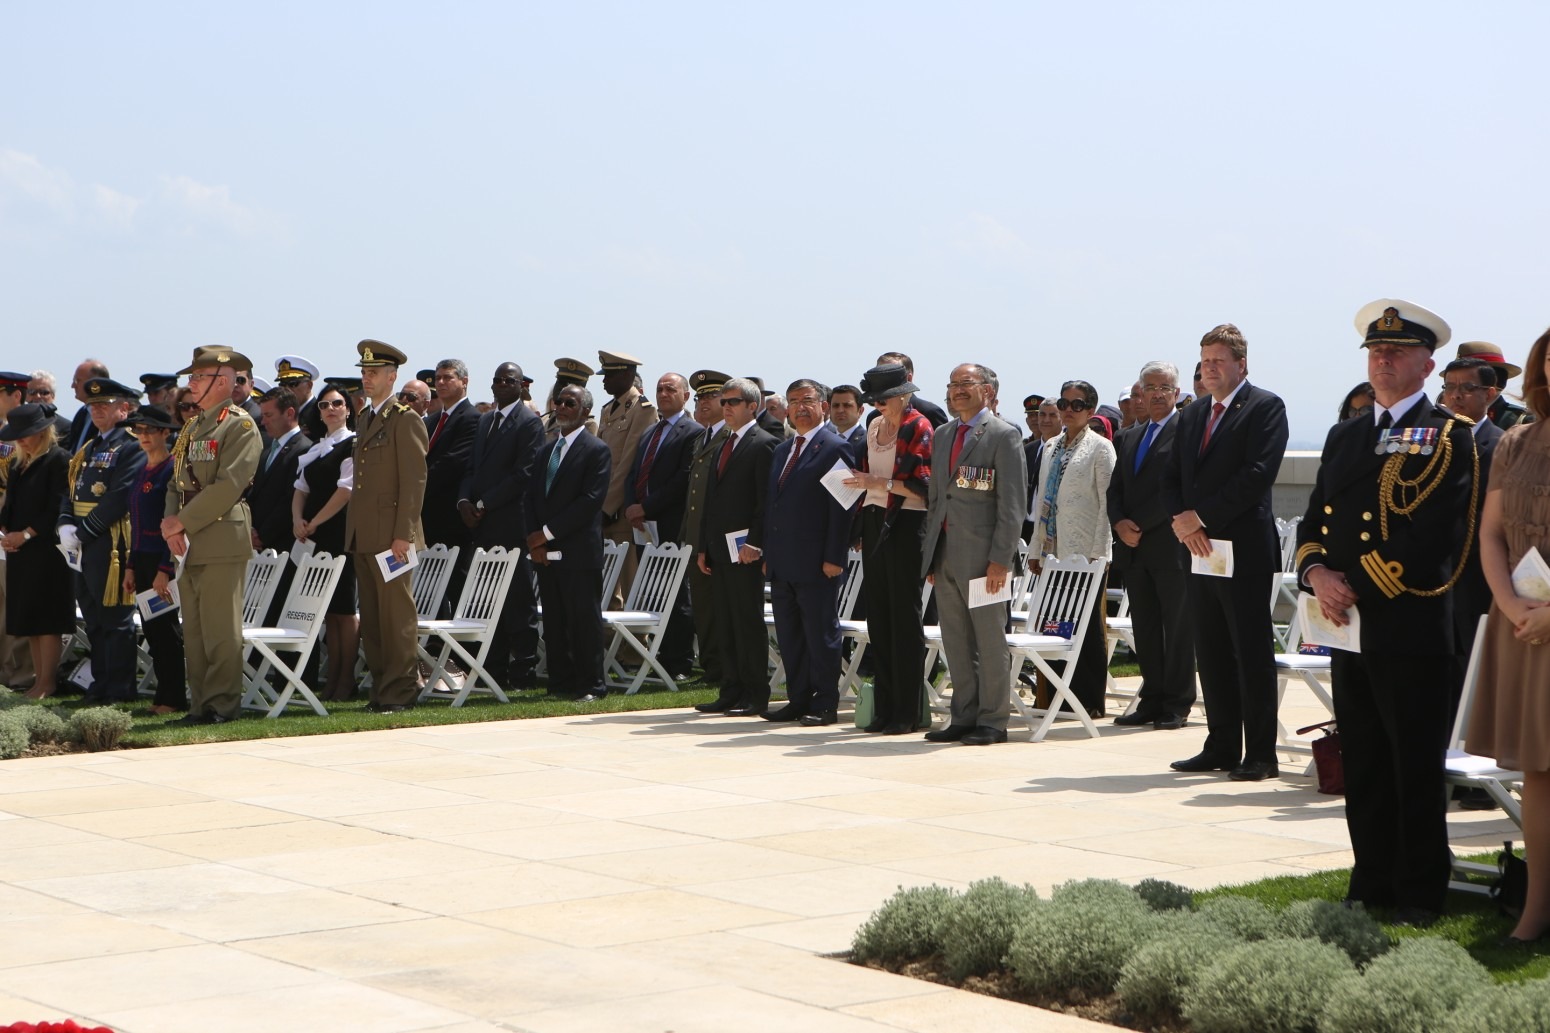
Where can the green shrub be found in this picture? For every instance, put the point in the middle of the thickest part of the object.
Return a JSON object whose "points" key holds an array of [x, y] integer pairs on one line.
{"points": [[1161, 895], [907, 926], [1081, 938], [100, 728], [9, 699], [1519, 1007], [1153, 982], [13, 737], [1272, 986], [1353, 930], [981, 923], [42, 723], [1244, 917], [1413, 988]]}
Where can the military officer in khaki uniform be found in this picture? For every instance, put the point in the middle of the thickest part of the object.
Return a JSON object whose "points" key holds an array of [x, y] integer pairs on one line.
{"points": [[621, 423], [566, 373], [384, 513], [707, 385], [206, 520]]}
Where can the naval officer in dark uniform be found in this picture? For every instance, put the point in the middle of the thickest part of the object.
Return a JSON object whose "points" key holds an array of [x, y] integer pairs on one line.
{"points": [[1389, 519], [96, 515]]}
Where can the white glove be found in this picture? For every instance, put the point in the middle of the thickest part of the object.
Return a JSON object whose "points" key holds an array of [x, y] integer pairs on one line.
{"points": [[69, 537]]}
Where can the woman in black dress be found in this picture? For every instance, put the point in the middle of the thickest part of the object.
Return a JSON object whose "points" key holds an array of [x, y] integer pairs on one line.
{"points": [[323, 478], [151, 567], [35, 571]]}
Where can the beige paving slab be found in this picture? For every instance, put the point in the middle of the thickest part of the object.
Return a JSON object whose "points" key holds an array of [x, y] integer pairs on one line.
{"points": [[21, 832], [647, 915], [913, 802], [881, 842], [114, 797], [823, 935], [319, 1006], [39, 777], [1046, 824], [1039, 864], [797, 785], [399, 947], [461, 819], [640, 800], [259, 841], [827, 892], [536, 786], [442, 765], [715, 1009], [762, 819], [1186, 846], [574, 839], [51, 938], [71, 860], [486, 889], [951, 1011], [201, 816], [151, 977], [703, 860], [398, 859], [16, 902], [1211, 876], [365, 799]]}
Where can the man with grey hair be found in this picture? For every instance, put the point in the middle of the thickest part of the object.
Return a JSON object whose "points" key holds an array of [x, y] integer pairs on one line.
{"points": [[41, 388], [450, 449], [1154, 562], [81, 427]]}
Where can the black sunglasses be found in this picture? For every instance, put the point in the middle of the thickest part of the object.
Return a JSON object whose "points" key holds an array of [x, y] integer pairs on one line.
{"points": [[1074, 404]]}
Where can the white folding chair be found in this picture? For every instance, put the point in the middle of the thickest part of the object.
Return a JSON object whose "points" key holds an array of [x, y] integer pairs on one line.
{"points": [[1471, 771], [263, 577], [850, 591], [430, 578], [936, 688], [1283, 586], [646, 613], [301, 620], [857, 632], [1313, 671], [1120, 628], [613, 566], [1062, 596], [473, 622]]}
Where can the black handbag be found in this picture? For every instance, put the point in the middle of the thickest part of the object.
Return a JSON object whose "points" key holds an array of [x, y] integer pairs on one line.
{"points": [[1510, 888]]}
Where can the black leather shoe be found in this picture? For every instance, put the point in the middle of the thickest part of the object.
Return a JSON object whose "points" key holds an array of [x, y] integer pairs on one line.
{"points": [[984, 737], [1254, 771], [875, 727], [903, 728], [1416, 917], [789, 712], [1133, 720], [720, 706], [1203, 762], [589, 697], [952, 733], [746, 710], [390, 708], [826, 717], [1170, 722], [195, 719]]}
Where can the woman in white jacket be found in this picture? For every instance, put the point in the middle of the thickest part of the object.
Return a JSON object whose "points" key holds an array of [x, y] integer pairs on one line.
{"points": [[1074, 518]]}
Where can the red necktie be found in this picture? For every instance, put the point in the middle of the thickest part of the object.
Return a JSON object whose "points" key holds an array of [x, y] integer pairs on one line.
{"points": [[952, 462], [726, 453], [649, 458], [1216, 414], [796, 450], [439, 424]]}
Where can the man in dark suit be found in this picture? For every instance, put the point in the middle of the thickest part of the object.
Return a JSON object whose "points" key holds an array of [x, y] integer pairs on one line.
{"points": [[82, 428], [1385, 526], [451, 432], [1217, 485], [274, 484], [974, 514], [492, 504], [806, 533], [1155, 565], [655, 494], [565, 509], [735, 502], [845, 415], [242, 397], [1469, 386], [707, 385], [773, 425]]}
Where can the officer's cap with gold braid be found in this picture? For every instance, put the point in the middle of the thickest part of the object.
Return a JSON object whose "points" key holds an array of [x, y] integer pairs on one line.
{"points": [[101, 389], [290, 368], [572, 371], [1392, 321], [154, 381], [376, 353], [208, 355], [14, 381], [613, 362], [707, 382]]}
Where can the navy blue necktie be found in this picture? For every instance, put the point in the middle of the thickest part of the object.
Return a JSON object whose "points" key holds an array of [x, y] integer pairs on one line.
{"points": [[1146, 443]]}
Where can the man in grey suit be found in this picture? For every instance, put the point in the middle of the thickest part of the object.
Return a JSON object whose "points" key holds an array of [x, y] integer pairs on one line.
{"points": [[974, 515]]}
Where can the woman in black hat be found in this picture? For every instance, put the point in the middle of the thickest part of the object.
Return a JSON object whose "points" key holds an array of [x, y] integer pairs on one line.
{"points": [[895, 468], [35, 571], [150, 561]]}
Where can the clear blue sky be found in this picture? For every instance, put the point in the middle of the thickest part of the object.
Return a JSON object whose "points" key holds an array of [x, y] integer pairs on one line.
{"points": [[1057, 190]]}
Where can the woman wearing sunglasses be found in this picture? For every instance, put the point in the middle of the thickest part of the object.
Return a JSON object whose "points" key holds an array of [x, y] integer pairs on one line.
{"points": [[1074, 518], [324, 476]]}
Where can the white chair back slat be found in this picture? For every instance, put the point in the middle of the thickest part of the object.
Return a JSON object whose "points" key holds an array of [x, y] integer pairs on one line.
{"points": [[613, 566], [430, 577], [850, 591], [1286, 531], [1063, 593], [1467, 697], [311, 589], [656, 579], [489, 575], [259, 584]]}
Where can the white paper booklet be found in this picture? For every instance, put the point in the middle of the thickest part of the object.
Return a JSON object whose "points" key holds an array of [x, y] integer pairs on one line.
{"points": [[152, 605], [72, 555], [391, 567], [300, 550], [835, 479], [1319, 630], [978, 596], [1531, 577], [736, 540], [1218, 564], [648, 536]]}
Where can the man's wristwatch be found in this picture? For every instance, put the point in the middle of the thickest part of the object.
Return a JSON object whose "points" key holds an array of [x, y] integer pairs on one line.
{"points": [[27, 534]]}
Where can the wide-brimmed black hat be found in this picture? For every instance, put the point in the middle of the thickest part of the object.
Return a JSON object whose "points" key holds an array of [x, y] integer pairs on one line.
{"points": [[27, 419], [148, 416], [886, 381]]}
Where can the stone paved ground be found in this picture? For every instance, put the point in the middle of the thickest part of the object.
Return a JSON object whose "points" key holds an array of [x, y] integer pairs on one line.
{"points": [[633, 872]]}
